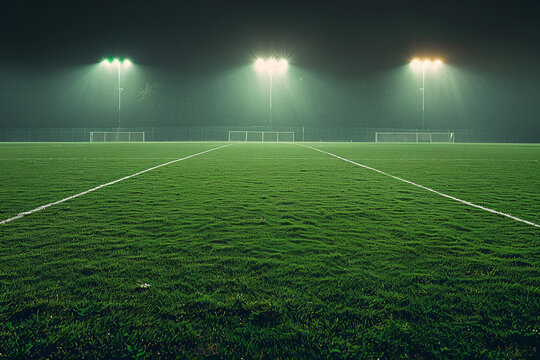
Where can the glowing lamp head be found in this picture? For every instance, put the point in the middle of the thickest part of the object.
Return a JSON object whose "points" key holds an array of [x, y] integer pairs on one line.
{"points": [[126, 63], [425, 64], [416, 64], [260, 65], [116, 62], [271, 65], [282, 65]]}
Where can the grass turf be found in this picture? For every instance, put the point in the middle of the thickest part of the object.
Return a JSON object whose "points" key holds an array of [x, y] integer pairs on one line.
{"points": [[269, 251]]}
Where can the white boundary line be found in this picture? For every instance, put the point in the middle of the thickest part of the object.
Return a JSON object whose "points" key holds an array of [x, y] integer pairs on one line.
{"points": [[426, 188], [262, 158], [103, 185]]}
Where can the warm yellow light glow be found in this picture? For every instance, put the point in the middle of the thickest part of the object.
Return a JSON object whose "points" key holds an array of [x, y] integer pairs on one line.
{"points": [[416, 64], [425, 63]]}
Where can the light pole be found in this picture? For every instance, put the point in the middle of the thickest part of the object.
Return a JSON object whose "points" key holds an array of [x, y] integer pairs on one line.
{"points": [[119, 63], [271, 66], [418, 64]]}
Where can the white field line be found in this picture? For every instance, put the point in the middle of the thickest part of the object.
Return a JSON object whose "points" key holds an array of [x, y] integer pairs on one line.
{"points": [[103, 185], [382, 159], [262, 158], [426, 188], [162, 158], [454, 160], [267, 158], [88, 158]]}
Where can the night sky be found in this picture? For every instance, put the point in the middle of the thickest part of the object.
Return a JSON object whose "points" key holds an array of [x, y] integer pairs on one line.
{"points": [[345, 45]]}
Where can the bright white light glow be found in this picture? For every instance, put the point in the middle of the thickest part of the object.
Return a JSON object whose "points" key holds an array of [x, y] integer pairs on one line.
{"points": [[271, 62], [271, 65], [105, 62], [260, 64], [127, 63], [283, 65], [116, 62]]}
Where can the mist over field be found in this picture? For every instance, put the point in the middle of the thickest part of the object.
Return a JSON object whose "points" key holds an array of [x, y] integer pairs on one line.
{"points": [[349, 65], [86, 96]]}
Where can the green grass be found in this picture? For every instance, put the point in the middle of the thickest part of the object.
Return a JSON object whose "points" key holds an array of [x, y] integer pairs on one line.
{"points": [[269, 251]]}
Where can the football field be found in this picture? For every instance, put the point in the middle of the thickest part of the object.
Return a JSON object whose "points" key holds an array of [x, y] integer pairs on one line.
{"points": [[278, 250]]}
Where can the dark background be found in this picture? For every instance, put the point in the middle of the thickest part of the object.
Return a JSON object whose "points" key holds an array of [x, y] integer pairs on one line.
{"points": [[193, 64]]}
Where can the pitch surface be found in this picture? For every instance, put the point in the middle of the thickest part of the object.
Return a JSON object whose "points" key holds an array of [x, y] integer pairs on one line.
{"points": [[269, 250]]}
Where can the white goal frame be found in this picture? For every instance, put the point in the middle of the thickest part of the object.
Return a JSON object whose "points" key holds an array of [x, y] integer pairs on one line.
{"points": [[417, 135], [116, 133], [262, 133]]}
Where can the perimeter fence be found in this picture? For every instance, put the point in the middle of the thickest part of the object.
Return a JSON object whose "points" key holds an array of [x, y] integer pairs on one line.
{"points": [[221, 133]]}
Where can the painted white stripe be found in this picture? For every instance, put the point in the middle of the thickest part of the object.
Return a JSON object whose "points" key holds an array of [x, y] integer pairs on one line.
{"points": [[267, 158], [103, 185], [426, 188], [89, 158]]}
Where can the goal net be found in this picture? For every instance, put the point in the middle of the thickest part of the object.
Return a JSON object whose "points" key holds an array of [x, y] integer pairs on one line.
{"points": [[262, 136], [415, 137], [110, 136]]}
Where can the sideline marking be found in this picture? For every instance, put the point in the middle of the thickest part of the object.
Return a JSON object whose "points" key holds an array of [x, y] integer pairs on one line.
{"points": [[20, 215], [426, 188], [257, 158]]}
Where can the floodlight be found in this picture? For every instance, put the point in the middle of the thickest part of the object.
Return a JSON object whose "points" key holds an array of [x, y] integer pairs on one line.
{"points": [[424, 64], [282, 65], [119, 63], [416, 64], [260, 65], [271, 67]]}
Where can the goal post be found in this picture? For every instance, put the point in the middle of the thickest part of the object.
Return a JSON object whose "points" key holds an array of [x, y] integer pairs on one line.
{"points": [[117, 136], [415, 137], [261, 136]]}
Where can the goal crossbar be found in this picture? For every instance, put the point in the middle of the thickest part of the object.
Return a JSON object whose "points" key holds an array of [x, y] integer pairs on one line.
{"points": [[116, 136], [261, 136], [415, 137]]}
